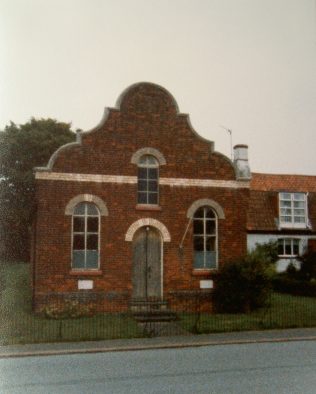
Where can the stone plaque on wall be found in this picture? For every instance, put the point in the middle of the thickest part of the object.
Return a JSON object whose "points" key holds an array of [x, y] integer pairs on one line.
{"points": [[85, 284]]}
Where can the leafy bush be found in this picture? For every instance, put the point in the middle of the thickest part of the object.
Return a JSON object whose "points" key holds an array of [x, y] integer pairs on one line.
{"points": [[307, 271], [286, 284], [292, 271], [302, 281], [245, 285]]}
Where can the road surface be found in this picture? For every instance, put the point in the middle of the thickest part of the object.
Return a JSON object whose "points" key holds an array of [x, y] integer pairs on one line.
{"points": [[287, 367]]}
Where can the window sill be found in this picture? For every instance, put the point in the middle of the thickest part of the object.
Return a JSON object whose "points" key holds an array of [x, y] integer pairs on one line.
{"points": [[147, 207], [203, 272], [294, 226], [85, 272]]}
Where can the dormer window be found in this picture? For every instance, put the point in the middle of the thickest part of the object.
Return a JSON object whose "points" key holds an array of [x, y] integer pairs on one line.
{"points": [[148, 176], [293, 210]]}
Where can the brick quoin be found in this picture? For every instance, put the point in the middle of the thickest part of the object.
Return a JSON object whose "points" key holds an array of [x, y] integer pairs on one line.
{"points": [[146, 116]]}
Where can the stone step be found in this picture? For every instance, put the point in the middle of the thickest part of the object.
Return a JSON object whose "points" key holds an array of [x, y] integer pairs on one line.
{"points": [[155, 316], [148, 306]]}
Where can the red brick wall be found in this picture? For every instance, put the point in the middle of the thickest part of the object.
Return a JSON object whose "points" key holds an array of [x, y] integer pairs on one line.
{"points": [[312, 245], [147, 118]]}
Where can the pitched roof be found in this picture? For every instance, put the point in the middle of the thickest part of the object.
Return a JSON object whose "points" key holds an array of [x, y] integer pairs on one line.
{"points": [[262, 211], [263, 202], [276, 182]]}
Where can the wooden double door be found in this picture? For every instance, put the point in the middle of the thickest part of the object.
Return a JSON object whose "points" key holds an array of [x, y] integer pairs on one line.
{"points": [[147, 264]]}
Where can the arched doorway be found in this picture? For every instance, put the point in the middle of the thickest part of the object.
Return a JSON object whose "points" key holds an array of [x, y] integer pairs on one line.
{"points": [[147, 264]]}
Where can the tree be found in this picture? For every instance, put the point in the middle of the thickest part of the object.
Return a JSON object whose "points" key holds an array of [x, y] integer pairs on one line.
{"points": [[23, 147]]}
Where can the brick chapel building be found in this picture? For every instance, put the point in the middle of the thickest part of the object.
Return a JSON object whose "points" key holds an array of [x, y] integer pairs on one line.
{"points": [[143, 208]]}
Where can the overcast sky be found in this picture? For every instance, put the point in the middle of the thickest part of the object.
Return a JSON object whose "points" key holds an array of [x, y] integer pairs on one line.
{"points": [[249, 65]]}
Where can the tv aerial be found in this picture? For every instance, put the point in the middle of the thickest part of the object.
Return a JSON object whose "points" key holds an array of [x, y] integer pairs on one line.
{"points": [[231, 139]]}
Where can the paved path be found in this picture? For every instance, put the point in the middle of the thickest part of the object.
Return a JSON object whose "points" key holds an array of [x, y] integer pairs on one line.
{"points": [[305, 334]]}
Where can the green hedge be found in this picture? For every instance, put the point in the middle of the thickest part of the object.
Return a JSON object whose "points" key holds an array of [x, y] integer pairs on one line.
{"points": [[284, 284]]}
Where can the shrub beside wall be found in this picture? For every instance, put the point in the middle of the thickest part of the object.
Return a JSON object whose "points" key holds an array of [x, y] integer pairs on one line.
{"points": [[285, 284], [245, 285], [301, 282]]}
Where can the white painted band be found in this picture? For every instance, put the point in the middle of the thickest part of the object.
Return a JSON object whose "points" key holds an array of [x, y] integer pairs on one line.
{"points": [[179, 182]]}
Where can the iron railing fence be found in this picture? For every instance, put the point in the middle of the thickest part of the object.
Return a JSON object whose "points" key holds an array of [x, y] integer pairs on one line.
{"points": [[98, 316]]}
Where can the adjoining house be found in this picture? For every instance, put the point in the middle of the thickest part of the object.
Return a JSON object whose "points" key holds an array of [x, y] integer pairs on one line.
{"points": [[142, 208], [282, 208]]}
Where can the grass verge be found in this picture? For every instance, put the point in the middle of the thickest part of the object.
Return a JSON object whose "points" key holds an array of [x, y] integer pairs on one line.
{"points": [[18, 324]]}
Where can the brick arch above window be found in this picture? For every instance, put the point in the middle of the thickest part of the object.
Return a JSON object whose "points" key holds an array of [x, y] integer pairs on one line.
{"points": [[206, 202], [87, 198], [147, 222], [148, 151]]}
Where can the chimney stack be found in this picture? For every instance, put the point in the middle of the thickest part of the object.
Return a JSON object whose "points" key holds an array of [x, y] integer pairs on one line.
{"points": [[241, 162]]}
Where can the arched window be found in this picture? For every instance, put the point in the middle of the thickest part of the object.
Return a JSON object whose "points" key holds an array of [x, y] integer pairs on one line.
{"points": [[205, 238], [148, 176], [85, 236]]}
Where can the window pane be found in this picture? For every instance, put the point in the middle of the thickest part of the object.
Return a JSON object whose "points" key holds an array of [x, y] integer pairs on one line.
{"points": [[93, 224], [198, 243], [143, 160], [209, 213], [151, 160], [210, 244], [299, 204], [299, 219], [92, 210], [210, 226], [280, 247], [199, 213], [78, 259], [210, 259], [285, 196], [92, 242], [80, 209], [288, 248], [142, 173], [153, 186], [152, 198], [142, 186], [299, 212], [152, 173], [285, 204], [148, 160], [299, 196], [78, 224], [286, 211], [286, 219], [295, 246], [142, 198], [92, 259], [78, 242], [198, 259], [198, 226]]}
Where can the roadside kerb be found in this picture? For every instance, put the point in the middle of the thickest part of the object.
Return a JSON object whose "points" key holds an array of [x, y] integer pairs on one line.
{"points": [[249, 337]]}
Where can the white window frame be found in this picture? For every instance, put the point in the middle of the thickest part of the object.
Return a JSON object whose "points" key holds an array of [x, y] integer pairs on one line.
{"points": [[287, 201], [85, 233], [147, 179], [205, 236], [292, 241]]}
